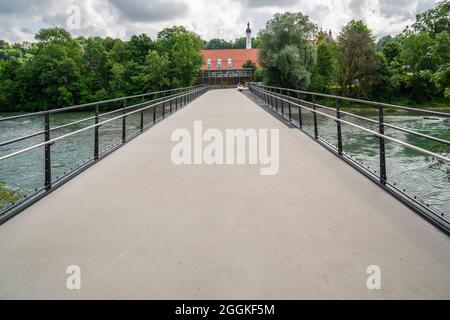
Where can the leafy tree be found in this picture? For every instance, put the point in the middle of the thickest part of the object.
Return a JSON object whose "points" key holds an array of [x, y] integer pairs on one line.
{"points": [[439, 53], [138, 47], [216, 43], [256, 43], [382, 42], [96, 71], [240, 43], [119, 85], [153, 73], [4, 45], [8, 52], [52, 78], [325, 70], [118, 52], [416, 65], [8, 78], [357, 60], [249, 64], [391, 51], [182, 48], [433, 21], [287, 51]]}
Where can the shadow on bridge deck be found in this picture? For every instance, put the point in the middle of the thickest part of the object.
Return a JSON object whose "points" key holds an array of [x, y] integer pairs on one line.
{"points": [[139, 226]]}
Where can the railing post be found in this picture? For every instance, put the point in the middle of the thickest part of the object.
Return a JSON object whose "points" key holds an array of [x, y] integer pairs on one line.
{"points": [[142, 115], [47, 153], [300, 118], [96, 144], [383, 177], [272, 98], [316, 129], [154, 108], [276, 101], [176, 103], [339, 131], [282, 103], [290, 107], [124, 122]]}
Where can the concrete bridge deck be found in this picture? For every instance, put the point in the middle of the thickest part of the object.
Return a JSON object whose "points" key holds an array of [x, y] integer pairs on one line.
{"points": [[141, 227]]}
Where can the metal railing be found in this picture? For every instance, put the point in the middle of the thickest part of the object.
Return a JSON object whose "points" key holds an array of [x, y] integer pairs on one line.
{"points": [[397, 158], [73, 138]]}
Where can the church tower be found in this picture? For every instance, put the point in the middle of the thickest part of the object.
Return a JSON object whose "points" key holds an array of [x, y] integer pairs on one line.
{"points": [[248, 33]]}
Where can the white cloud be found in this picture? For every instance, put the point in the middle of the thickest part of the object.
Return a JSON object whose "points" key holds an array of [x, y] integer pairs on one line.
{"points": [[20, 19]]}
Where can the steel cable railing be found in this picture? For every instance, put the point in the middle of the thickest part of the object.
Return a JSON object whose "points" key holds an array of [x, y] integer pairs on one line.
{"points": [[412, 165], [73, 138]]}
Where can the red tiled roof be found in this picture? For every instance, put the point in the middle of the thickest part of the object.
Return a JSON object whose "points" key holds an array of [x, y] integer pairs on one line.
{"points": [[238, 58]]}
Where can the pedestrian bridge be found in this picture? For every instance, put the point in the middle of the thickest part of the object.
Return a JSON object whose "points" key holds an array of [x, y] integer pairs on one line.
{"points": [[140, 226]]}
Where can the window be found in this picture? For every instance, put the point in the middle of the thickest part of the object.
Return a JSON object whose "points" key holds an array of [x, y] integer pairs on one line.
{"points": [[219, 63], [208, 64], [230, 63]]}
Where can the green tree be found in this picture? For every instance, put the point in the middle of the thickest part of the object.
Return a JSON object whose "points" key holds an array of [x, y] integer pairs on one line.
{"points": [[288, 52], [382, 42], [182, 49], [391, 50], [52, 78], [325, 71], [215, 44], [249, 65], [358, 63], [96, 71], [118, 52], [433, 21], [138, 47], [416, 66], [439, 53], [8, 89], [153, 73]]}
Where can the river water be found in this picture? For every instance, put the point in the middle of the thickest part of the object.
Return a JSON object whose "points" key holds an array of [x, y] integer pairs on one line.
{"points": [[420, 176]]}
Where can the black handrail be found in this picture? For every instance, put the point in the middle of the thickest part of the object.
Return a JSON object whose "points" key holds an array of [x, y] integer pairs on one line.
{"points": [[174, 102], [367, 102], [277, 101], [79, 121], [91, 104]]}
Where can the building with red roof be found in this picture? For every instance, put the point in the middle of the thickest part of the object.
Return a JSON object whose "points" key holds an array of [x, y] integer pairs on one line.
{"points": [[225, 66], [228, 58]]}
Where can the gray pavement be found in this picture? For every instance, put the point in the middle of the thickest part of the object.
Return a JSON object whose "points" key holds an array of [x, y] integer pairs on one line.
{"points": [[141, 227]]}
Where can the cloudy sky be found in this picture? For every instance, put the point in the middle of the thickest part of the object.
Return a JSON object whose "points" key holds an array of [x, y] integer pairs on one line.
{"points": [[20, 19]]}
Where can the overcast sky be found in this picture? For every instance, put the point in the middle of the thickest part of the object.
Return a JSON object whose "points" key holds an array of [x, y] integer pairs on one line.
{"points": [[20, 19]]}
